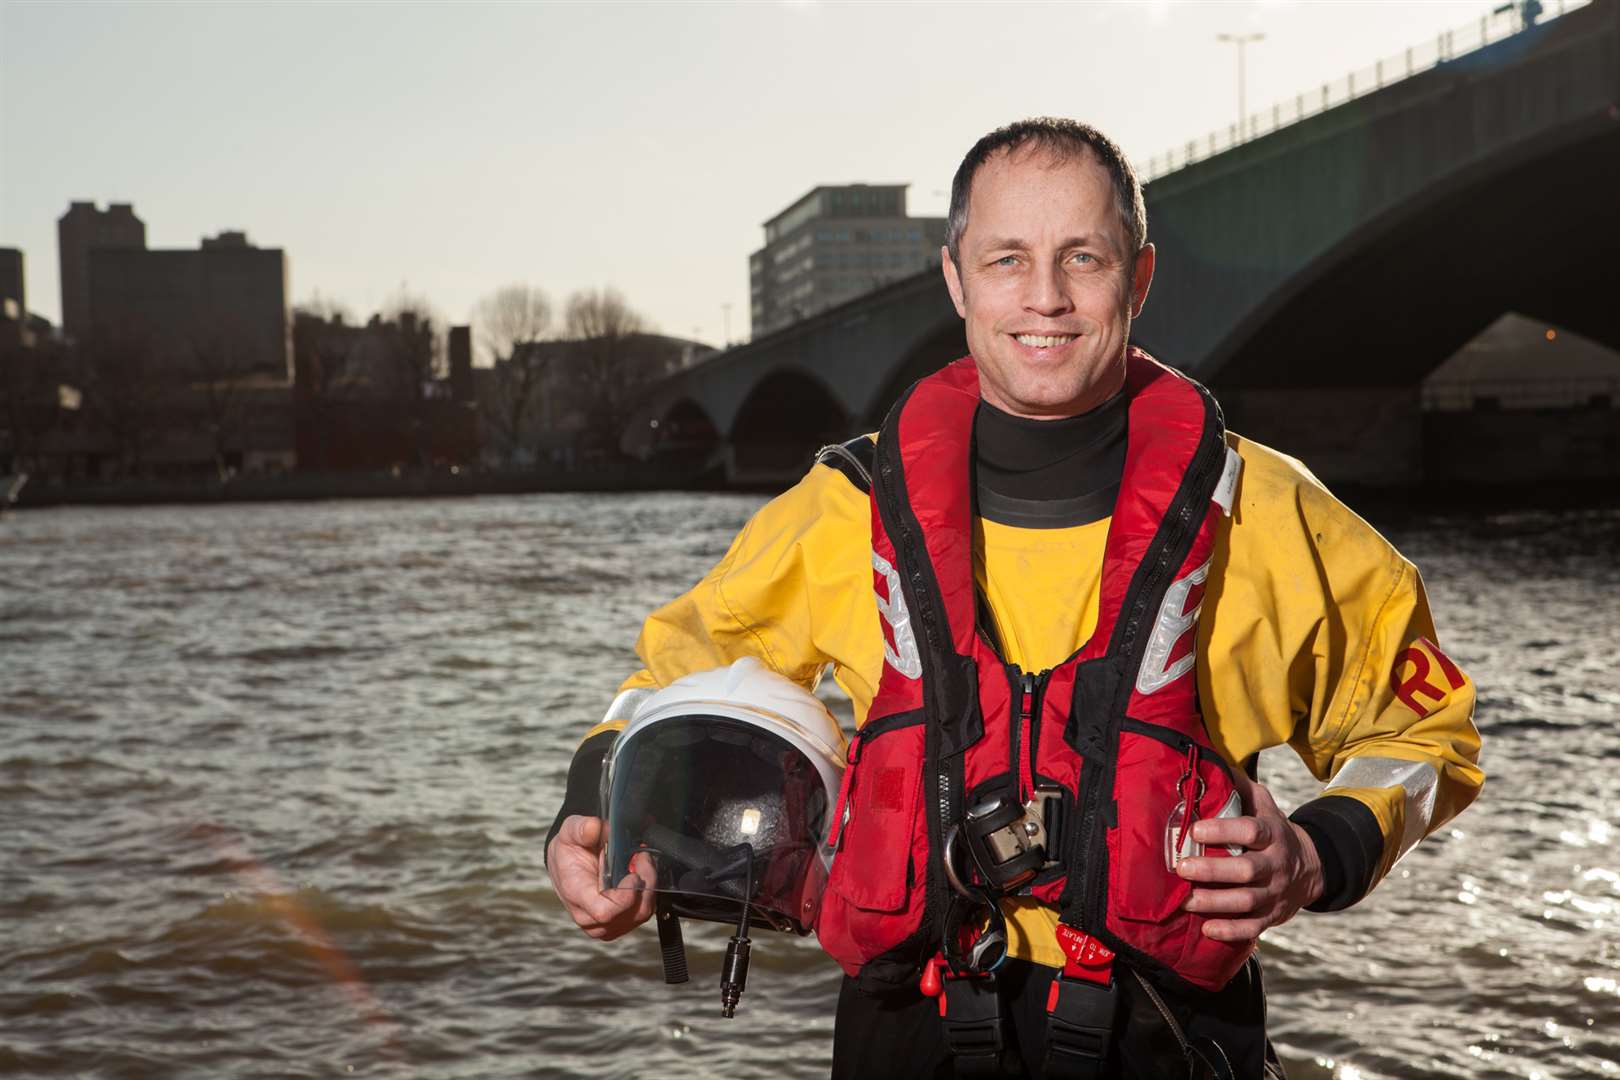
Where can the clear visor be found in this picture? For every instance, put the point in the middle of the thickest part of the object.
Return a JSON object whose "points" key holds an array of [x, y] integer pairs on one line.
{"points": [[710, 811]]}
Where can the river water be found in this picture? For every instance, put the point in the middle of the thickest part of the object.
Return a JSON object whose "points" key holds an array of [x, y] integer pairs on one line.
{"points": [[274, 782]]}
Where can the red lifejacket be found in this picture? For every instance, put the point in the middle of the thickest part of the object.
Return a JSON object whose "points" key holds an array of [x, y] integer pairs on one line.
{"points": [[1116, 727]]}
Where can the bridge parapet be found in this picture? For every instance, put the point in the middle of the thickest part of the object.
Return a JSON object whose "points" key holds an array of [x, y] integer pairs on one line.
{"points": [[1414, 60]]}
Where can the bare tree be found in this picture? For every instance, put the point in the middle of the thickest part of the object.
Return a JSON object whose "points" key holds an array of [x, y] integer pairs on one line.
{"points": [[124, 395], [423, 364], [601, 315], [324, 309], [606, 371], [511, 323], [29, 405]]}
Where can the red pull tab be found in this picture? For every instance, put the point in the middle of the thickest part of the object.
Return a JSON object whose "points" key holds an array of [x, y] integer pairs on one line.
{"points": [[1086, 957], [1190, 784], [929, 983]]}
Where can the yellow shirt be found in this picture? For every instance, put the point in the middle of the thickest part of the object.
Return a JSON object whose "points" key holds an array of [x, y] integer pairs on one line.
{"points": [[1307, 613]]}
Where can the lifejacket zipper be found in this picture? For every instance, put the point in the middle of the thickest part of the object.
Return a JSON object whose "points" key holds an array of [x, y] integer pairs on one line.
{"points": [[1023, 689], [1026, 710], [1094, 887], [933, 889]]}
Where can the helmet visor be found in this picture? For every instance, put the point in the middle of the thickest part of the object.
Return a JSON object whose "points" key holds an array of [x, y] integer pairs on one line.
{"points": [[711, 811]]}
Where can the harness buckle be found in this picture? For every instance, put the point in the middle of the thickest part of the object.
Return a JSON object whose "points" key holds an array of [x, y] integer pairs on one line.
{"points": [[1079, 1028], [970, 1010]]}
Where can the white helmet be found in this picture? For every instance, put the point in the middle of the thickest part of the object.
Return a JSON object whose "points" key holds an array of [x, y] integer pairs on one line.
{"points": [[724, 784]]}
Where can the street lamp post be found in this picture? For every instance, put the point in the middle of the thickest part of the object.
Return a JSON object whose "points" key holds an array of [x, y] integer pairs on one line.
{"points": [[1241, 40]]}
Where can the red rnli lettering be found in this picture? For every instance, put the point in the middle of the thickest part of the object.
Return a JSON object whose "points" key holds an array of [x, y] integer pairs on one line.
{"points": [[1417, 684]]}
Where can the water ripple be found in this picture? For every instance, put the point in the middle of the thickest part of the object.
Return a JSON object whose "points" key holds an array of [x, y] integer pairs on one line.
{"points": [[276, 781]]}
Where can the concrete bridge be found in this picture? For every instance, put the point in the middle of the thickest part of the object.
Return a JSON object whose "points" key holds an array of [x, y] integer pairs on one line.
{"points": [[1313, 276]]}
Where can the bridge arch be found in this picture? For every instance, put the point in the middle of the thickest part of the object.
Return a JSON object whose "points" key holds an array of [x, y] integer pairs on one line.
{"points": [[1521, 231], [683, 434], [932, 350], [1330, 364], [782, 421]]}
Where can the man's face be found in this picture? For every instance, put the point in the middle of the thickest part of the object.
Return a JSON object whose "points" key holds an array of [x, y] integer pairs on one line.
{"points": [[1046, 285]]}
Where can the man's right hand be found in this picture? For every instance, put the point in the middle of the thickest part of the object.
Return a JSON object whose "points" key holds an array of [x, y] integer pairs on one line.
{"points": [[573, 860]]}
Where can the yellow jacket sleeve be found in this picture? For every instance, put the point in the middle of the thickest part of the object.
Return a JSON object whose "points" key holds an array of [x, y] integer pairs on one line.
{"points": [[1319, 635], [794, 590]]}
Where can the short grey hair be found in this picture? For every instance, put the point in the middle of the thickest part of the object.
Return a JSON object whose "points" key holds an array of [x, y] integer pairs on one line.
{"points": [[1064, 139]]}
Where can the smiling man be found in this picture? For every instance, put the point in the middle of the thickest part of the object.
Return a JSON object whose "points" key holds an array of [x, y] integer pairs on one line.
{"points": [[1069, 609], [1048, 278]]}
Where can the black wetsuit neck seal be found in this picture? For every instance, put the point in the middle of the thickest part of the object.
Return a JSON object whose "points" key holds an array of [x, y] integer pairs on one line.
{"points": [[1049, 474]]}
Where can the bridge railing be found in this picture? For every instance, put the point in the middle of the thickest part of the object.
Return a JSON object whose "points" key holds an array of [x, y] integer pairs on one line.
{"points": [[1446, 46], [1581, 391]]}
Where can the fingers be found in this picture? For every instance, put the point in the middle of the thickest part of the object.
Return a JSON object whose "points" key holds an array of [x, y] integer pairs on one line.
{"points": [[581, 831], [1258, 797], [1233, 901], [1245, 869], [1235, 929], [1263, 887], [641, 866], [645, 900], [621, 909], [597, 911], [575, 866], [1248, 832]]}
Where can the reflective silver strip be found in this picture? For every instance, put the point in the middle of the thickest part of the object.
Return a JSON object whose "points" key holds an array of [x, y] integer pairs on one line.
{"points": [[624, 706], [1418, 779], [903, 657], [1157, 672], [1226, 487]]}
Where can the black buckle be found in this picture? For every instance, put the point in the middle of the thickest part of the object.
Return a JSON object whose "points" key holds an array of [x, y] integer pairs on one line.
{"points": [[973, 1025], [1079, 1028]]}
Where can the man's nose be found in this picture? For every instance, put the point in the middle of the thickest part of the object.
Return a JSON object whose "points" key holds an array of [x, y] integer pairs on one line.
{"points": [[1048, 293]]}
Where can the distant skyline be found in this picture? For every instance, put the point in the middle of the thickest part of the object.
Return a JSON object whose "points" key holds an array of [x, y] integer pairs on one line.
{"points": [[448, 150]]}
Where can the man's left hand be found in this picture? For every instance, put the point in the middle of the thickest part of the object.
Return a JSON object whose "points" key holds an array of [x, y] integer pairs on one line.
{"points": [[1263, 887]]}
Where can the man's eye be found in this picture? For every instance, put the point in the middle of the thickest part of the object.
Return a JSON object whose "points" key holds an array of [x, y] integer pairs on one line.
{"points": [[1005, 260], [1083, 257]]}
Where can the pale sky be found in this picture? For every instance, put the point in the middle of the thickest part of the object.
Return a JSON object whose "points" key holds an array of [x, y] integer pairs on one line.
{"points": [[450, 149]]}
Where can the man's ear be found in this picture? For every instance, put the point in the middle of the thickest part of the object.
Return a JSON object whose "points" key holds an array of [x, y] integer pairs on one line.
{"points": [[953, 280], [1141, 279]]}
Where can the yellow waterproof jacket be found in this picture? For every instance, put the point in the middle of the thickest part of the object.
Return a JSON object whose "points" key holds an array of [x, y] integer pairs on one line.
{"points": [[1314, 632]]}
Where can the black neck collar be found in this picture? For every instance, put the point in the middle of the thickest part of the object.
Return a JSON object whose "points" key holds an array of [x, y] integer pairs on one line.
{"points": [[1049, 473]]}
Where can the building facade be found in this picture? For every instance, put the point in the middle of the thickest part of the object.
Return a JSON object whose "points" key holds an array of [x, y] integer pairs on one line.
{"points": [[13, 300], [369, 396], [834, 244], [81, 230], [219, 311]]}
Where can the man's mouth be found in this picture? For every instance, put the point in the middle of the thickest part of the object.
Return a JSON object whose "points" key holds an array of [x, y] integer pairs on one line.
{"points": [[1044, 341]]}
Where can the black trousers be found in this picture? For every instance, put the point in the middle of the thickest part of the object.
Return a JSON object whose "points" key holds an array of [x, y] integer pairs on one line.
{"points": [[897, 1035]]}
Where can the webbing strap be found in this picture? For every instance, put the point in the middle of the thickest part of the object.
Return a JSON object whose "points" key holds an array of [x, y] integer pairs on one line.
{"points": [[970, 1009], [1079, 1029]]}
